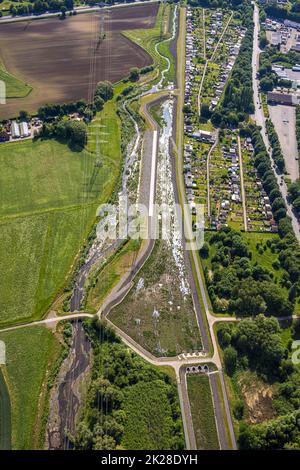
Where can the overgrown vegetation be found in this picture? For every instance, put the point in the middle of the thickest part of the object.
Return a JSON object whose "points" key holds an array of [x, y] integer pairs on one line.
{"points": [[158, 311], [131, 404], [261, 346]]}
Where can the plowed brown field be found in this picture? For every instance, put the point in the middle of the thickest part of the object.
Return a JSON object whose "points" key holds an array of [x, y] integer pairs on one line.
{"points": [[63, 60]]}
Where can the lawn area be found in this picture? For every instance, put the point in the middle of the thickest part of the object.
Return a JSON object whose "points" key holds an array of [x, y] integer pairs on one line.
{"points": [[107, 276], [15, 88], [29, 354], [202, 412], [49, 197]]}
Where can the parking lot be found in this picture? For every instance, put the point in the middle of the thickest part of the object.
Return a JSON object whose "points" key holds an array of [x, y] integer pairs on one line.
{"points": [[284, 120]]}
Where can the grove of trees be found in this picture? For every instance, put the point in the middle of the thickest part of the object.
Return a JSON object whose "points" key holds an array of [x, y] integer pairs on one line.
{"points": [[129, 402]]}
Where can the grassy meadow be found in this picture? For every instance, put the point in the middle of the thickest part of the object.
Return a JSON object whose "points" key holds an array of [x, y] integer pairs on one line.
{"points": [[29, 352], [49, 197], [15, 88]]}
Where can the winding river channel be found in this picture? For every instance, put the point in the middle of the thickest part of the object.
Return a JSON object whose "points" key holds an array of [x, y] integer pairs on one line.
{"points": [[67, 394]]}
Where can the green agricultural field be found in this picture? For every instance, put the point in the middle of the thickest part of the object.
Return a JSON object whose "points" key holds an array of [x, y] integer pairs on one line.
{"points": [[46, 175], [29, 354], [49, 197], [36, 255], [202, 412], [15, 88]]}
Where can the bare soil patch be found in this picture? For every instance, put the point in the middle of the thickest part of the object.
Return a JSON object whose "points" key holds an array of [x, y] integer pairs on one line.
{"points": [[63, 60], [258, 399]]}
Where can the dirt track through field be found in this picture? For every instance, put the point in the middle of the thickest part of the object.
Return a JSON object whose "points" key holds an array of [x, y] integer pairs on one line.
{"points": [[53, 55]]}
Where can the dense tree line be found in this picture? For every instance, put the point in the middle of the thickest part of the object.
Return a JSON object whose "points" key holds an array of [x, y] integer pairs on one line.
{"points": [[237, 102], [117, 375], [276, 148], [40, 6], [283, 11], [255, 344], [298, 127], [294, 195], [294, 188], [57, 125]]}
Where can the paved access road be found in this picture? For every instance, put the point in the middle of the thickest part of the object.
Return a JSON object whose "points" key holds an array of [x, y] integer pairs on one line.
{"points": [[81, 9], [260, 120]]}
